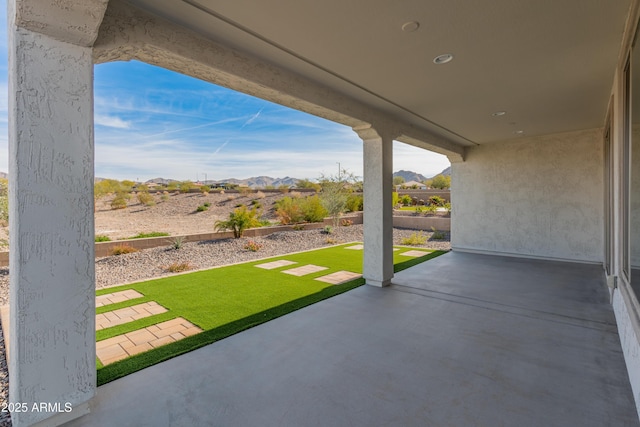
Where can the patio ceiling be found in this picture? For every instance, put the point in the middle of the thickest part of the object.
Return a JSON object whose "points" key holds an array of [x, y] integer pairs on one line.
{"points": [[548, 64]]}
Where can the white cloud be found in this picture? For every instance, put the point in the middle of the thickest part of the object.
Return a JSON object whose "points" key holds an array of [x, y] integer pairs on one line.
{"points": [[111, 121]]}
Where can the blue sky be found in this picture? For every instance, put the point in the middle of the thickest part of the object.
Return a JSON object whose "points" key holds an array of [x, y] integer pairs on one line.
{"points": [[151, 122]]}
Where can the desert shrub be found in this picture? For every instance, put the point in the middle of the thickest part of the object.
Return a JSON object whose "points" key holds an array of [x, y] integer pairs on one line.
{"points": [[430, 209], [327, 229], [355, 203], [164, 197], [298, 227], [312, 209], [102, 238], [252, 246], [244, 190], [146, 199], [436, 201], [239, 220], [186, 186], [123, 249], [260, 195], [415, 239], [150, 234], [346, 223], [201, 208], [143, 188], [231, 197], [206, 204], [4, 201], [284, 189], [205, 189], [437, 235], [120, 201], [331, 241], [295, 194], [173, 186], [177, 242], [419, 209], [406, 200], [289, 211], [447, 206], [178, 267], [256, 203]]}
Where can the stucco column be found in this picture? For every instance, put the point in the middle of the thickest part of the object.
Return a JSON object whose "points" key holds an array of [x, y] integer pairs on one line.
{"points": [[378, 212], [52, 289]]}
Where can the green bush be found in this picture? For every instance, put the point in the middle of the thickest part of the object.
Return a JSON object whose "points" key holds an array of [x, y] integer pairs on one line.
{"points": [[355, 203], [120, 201], [146, 199], [406, 200], [4, 202], [312, 209], [205, 189], [102, 238], [437, 235], [415, 239], [436, 201], [294, 210], [289, 211], [239, 220], [206, 204], [201, 208], [395, 198], [186, 186]]}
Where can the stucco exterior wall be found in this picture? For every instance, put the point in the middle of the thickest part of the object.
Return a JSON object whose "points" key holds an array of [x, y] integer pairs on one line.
{"points": [[625, 320], [534, 197], [634, 202]]}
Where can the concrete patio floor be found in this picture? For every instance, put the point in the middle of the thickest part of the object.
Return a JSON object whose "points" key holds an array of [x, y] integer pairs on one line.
{"points": [[461, 340]]}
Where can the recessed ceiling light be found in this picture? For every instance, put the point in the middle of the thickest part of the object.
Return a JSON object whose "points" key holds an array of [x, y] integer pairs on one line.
{"points": [[519, 132], [410, 27], [443, 59], [499, 113]]}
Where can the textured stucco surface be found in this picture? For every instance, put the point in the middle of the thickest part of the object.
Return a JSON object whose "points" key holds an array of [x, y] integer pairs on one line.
{"points": [[539, 197], [72, 21], [52, 287], [634, 202], [378, 212], [628, 339]]}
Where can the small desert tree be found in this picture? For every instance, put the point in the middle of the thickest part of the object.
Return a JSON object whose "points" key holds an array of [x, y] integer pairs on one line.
{"points": [[335, 193]]}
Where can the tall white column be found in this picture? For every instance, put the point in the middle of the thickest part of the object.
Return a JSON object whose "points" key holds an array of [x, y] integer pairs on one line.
{"points": [[52, 288], [378, 212]]}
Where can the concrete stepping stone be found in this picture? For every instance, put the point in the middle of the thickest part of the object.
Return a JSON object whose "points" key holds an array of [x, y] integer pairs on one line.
{"points": [[275, 264], [339, 277], [304, 270], [116, 297], [126, 345], [355, 247], [414, 253], [128, 314]]}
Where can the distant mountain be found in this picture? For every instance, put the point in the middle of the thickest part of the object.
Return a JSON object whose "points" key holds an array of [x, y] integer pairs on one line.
{"points": [[253, 182], [446, 172], [410, 176]]}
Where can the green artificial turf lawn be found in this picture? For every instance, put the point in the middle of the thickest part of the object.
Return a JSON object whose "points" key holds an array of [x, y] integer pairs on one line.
{"points": [[226, 300]]}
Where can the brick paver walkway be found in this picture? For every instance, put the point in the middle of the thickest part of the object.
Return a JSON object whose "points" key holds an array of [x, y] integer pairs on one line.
{"points": [[275, 264], [304, 270], [128, 314], [120, 347], [115, 297], [339, 277], [414, 253]]}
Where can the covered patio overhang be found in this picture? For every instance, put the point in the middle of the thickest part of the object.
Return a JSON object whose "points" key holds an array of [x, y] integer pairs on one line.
{"points": [[53, 48], [463, 339]]}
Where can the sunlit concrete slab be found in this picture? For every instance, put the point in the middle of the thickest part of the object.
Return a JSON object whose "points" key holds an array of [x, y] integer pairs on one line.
{"points": [[460, 340]]}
